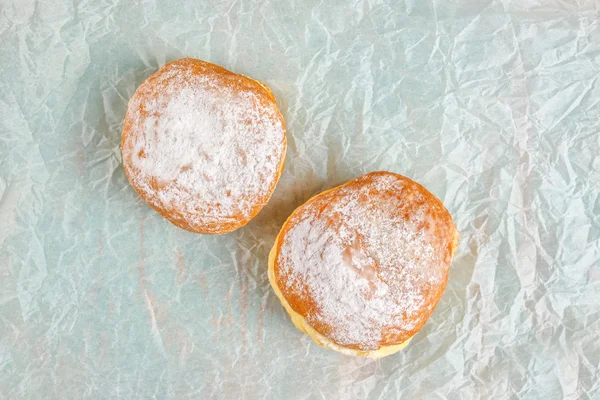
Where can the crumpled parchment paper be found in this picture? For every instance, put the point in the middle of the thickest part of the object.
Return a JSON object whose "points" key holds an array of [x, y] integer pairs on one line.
{"points": [[492, 105]]}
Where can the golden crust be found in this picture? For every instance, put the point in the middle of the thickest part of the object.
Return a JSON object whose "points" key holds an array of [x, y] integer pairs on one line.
{"points": [[148, 91], [299, 303]]}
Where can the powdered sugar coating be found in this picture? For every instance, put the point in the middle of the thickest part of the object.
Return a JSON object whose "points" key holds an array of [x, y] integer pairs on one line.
{"points": [[366, 263], [206, 147]]}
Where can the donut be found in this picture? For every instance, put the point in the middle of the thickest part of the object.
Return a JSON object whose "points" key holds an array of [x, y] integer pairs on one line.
{"points": [[361, 267], [203, 146]]}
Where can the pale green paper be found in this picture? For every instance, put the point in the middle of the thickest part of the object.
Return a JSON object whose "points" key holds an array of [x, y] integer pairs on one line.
{"points": [[492, 105]]}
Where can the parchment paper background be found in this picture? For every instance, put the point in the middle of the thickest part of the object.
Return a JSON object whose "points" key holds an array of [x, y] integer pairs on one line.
{"points": [[492, 105]]}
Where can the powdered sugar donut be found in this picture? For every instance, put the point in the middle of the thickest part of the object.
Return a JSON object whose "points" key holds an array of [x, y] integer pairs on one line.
{"points": [[361, 267], [203, 146]]}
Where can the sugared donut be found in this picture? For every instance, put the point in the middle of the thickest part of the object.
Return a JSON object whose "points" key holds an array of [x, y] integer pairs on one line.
{"points": [[361, 267], [203, 146]]}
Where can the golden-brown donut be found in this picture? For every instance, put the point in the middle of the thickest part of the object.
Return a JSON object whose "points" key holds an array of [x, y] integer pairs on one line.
{"points": [[203, 146], [361, 267]]}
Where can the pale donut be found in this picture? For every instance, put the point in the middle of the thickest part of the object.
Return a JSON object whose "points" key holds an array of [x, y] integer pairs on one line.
{"points": [[361, 267], [203, 146]]}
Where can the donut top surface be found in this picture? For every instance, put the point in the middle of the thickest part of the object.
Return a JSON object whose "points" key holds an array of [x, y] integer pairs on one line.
{"points": [[366, 263], [203, 146]]}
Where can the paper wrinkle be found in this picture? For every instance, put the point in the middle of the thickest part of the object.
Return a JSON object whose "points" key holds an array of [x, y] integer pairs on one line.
{"points": [[493, 106]]}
